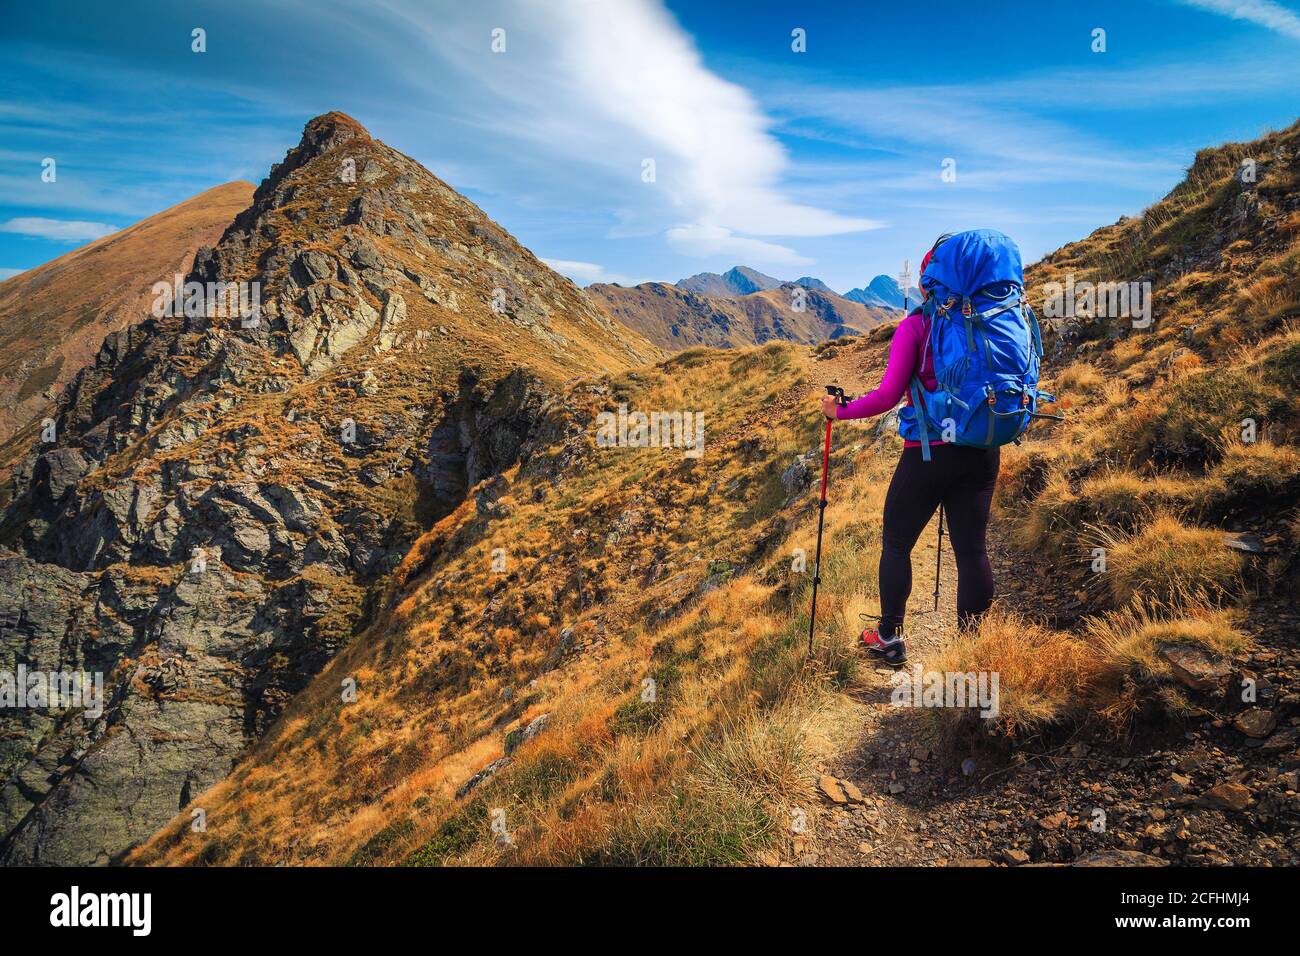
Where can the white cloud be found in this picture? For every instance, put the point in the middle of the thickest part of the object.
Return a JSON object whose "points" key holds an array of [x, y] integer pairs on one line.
{"points": [[10, 273], [1264, 13], [585, 273], [60, 230], [642, 70], [599, 88], [707, 241]]}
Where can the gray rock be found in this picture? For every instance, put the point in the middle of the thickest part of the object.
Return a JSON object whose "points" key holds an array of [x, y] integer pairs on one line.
{"points": [[489, 494], [60, 470], [516, 738], [391, 320], [313, 266], [798, 475], [486, 773], [1245, 542]]}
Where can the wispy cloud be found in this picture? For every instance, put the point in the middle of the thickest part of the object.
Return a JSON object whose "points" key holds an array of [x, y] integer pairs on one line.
{"points": [[585, 273], [10, 273], [704, 241], [60, 230], [611, 85], [1264, 13], [993, 139]]}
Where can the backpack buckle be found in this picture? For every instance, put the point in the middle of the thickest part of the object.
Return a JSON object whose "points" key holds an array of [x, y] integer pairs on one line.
{"points": [[993, 398], [1024, 399], [965, 306]]}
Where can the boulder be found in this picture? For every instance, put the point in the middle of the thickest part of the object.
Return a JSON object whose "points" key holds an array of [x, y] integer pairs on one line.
{"points": [[831, 788], [1226, 796], [1256, 722], [313, 266], [1196, 667], [59, 470], [1244, 542], [390, 322], [797, 476]]}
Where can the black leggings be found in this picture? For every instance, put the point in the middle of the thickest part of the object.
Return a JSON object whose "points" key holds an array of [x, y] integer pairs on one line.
{"points": [[962, 479]]}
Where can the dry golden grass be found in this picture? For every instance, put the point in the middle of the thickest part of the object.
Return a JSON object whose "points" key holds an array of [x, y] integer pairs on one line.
{"points": [[1072, 521], [1040, 671], [1105, 675], [1258, 468], [1079, 377], [612, 777], [1130, 638], [1135, 678], [1170, 563]]}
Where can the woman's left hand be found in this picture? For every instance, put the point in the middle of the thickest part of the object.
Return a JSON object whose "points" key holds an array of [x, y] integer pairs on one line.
{"points": [[828, 406]]}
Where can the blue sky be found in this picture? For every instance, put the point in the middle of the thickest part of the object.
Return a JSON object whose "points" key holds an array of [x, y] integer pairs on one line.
{"points": [[826, 162]]}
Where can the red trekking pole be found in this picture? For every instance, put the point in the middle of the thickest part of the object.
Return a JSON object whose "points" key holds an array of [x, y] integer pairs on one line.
{"points": [[840, 399]]}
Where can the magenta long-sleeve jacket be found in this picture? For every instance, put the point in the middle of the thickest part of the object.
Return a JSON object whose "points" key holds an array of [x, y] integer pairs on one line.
{"points": [[909, 354]]}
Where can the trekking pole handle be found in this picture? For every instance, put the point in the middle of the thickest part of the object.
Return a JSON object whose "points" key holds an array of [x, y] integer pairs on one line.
{"points": [[838, 393]]}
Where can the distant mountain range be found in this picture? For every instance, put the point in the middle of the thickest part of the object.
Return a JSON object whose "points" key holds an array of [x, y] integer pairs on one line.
{"points": [[675, 318], [738, 280], [743, 306], [882, 292]]}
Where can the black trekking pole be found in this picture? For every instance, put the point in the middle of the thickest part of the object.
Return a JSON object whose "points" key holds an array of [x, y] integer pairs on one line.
{"points": [[840, 399], [938, 559]]}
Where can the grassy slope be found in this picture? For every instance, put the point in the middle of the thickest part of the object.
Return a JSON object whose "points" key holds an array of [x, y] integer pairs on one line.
{"points": [[618, 553], [624, 552]]}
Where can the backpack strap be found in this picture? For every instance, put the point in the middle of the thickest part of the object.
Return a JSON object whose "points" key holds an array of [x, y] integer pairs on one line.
{"points": [[966, 316], [998, 309], [1033, 324], [919, 409]]}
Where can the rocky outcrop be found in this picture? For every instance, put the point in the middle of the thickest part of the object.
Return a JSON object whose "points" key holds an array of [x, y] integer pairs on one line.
{"points": [[481, 434]]}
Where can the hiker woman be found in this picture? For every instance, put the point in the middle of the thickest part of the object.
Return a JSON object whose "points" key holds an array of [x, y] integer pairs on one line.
{"points": [[934, 468]]}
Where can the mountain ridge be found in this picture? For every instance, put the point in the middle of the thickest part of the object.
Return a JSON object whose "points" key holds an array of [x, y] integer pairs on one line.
{"points": [[736, 281]]}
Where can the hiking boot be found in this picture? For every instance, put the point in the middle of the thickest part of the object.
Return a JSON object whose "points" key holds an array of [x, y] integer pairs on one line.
{"points": [[889, 650]]}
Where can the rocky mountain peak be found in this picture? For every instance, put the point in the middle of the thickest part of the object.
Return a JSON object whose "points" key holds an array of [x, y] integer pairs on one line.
{"points": [[225, 494], [328, 130], [320, 136]]}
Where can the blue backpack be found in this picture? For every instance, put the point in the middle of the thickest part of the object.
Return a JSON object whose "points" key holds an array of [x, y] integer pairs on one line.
{"points": [[986, 347]]}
